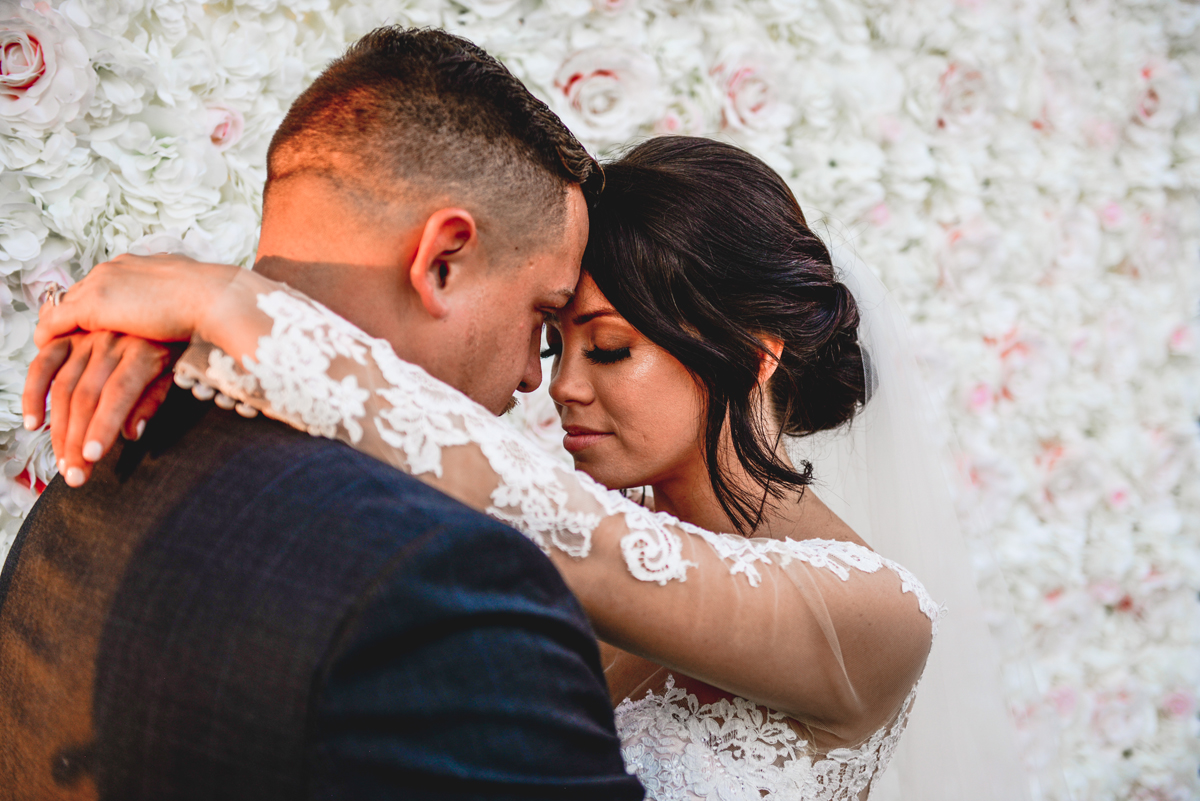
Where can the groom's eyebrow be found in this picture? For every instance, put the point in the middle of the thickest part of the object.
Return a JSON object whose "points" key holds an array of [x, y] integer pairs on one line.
{"points": [[580, 319]]}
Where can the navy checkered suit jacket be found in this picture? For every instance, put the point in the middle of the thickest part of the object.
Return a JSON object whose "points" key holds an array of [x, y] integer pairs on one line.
{"points": [[231, 609]]}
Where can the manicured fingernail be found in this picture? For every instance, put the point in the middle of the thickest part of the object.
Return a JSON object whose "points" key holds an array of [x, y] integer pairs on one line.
{"points": [[30, 422], [92, 451], [141, 429], [74, 477]]}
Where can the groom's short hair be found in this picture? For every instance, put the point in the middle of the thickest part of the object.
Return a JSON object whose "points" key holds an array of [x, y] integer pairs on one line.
{"points": [[421, 110]]}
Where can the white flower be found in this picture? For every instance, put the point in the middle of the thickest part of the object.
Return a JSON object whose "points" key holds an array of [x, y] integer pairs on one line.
{"points": [[46, 79], [489, 9], [51, 265], [26, 467], [192, 244], [607, 93]]}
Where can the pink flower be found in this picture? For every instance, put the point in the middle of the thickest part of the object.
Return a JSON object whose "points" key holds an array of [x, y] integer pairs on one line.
{"points": [[1112, 215], [1105, 591], [609, 92], [225, 126], [1118, 498], [1063, 699], [1101, 134], [1182, 340], [748, 87], [981, 398], [964, 94], [46, 78], [1179, 704], [880, 215], [890, 128]]}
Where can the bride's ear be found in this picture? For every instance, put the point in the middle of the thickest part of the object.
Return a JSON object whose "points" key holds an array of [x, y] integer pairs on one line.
{"points": [[769, 361], [449, 238]]}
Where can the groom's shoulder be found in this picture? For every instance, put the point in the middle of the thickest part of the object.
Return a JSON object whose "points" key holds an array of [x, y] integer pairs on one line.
{"points": [[247, 594]]}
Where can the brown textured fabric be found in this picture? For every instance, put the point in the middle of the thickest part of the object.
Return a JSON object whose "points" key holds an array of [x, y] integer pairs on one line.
{"points": [[58, 588]]}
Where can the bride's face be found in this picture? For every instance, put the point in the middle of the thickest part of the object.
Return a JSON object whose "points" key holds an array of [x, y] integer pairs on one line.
{"points": [[632, 412]]}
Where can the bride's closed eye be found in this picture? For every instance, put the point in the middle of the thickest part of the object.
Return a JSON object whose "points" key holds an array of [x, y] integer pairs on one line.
{"points": [[599, 355]]}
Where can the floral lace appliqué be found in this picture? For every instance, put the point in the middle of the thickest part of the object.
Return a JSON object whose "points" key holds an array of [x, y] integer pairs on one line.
{"points": [[306, 373], [836, 556], [734, 750]]}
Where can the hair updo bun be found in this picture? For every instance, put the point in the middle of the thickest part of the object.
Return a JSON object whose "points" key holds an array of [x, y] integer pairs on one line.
{"points": [[703, 248], [823, 387]]}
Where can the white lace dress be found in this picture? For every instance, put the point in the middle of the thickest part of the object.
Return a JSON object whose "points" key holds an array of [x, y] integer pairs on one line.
{"points": [[838, 637]]}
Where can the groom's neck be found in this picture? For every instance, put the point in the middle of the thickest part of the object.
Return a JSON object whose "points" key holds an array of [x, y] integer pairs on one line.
{"points": [[349, 290]]}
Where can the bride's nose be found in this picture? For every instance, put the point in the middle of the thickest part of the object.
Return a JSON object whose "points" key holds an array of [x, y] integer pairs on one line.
{"points": [[568, 382]]}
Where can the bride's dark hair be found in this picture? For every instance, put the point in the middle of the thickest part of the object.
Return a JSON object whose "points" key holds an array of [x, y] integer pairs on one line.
{"points": [[703, 248]]}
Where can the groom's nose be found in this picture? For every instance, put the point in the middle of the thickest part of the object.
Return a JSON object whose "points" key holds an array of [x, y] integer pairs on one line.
{"points": [[531, 379]]}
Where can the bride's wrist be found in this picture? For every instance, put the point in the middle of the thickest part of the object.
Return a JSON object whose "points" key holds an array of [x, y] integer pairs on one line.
{"points": [[229, 317]]}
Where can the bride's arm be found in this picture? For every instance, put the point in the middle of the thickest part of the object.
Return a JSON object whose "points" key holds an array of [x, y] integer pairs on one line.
{"points": [[820, 631]]}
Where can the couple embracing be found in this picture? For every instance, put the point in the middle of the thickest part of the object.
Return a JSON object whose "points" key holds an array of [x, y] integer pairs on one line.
{"points": [[403, 604]]}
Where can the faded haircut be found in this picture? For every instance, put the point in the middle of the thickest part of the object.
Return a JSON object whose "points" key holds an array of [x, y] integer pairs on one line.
{"points": [[423, 113]]}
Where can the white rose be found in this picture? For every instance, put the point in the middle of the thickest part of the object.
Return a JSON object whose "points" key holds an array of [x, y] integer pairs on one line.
{"points": [[608, 93], [193, 244], [489, 9], [168, 172], [26, 467], [46, 79], [51, 265]]}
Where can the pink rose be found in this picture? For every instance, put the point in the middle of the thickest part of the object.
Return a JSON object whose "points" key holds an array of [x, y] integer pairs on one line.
{"points": [[225, 126], [1179, 704], [880, 215], [1112, 215], [750, 97], [46, 78], [1182, 340], [610, 92], [1063, 699], [964, 93], [1163, 97]]}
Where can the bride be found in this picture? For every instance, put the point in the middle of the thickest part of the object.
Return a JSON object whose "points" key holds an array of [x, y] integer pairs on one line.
{"points": [[777, 660]]}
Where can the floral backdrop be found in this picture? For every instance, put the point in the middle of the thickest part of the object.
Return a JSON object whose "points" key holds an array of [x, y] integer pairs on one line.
{"points": [[1024, 174]]}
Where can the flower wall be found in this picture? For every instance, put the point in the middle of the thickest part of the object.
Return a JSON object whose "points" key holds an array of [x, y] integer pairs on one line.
{"points": [[1024, 175]]}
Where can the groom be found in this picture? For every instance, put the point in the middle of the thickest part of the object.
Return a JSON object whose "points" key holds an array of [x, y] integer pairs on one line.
{"points": [[231, 609]]}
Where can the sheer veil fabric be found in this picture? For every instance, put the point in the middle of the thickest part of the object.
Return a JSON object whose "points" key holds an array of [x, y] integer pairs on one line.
{"points": [[884, 476]]}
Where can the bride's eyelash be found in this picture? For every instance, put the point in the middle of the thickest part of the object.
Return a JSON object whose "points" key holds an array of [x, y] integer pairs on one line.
{"points": [[552, 349], [602, 356]]}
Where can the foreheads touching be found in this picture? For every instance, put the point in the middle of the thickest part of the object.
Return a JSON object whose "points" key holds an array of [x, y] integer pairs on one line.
{"points": [[410, 120]]}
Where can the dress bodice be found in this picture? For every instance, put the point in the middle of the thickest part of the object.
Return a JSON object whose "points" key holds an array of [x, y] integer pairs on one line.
{"points": [[735, 750]]}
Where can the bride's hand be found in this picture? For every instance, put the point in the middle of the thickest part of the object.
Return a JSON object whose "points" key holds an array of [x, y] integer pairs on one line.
{"points": [[163, 298], [104, 384]]}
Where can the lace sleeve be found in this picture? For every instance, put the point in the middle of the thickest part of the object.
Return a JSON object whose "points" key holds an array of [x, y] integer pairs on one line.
{"points": [[817, 630]]}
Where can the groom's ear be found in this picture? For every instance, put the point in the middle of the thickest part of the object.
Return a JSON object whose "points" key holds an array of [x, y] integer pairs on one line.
{"points": [[448, 239]]}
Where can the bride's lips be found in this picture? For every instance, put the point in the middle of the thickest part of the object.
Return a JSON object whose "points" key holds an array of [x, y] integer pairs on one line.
{"points": [[577, 438]]}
